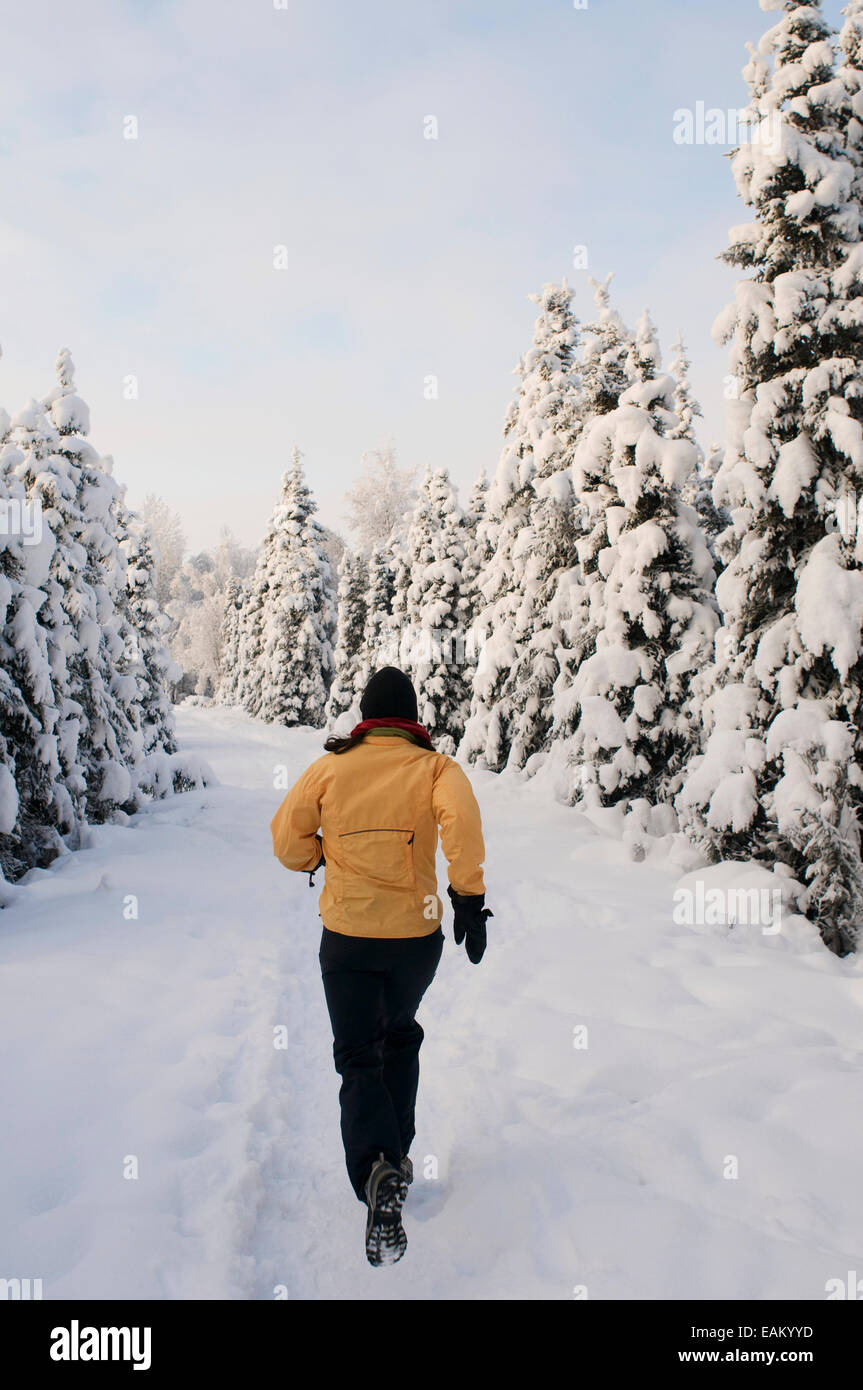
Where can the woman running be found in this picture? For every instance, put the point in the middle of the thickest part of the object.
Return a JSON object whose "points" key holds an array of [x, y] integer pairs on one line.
{"points": [[369, 811]]}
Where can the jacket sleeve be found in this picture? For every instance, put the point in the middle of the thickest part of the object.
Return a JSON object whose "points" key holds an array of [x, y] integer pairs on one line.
{"points": [[295, 825], [457, 813]]}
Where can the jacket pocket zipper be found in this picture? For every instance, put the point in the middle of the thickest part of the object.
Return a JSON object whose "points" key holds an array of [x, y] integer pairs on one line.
{"points": [[380, 830]]}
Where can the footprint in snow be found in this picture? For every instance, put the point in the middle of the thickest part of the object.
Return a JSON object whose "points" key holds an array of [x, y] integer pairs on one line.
{"points": [[426, 1198]]}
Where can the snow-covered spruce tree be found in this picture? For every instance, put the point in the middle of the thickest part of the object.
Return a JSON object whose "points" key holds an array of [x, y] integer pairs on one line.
{"points": [[437, 613], [487, 737], [90, 735], [377, 648], [529, 531], [686, 407], [34, 810], [780, 775], [650, 605], [251, 641], [290, 675], [398, 632], [348, 659], [714, 519], [411, 555], [148, 659], [109, 745], [644, 358], [851, 76], [478, 550], [479, 547], [50, 485], [555, 525], [228, 691], [605, 365], [697, 490], [606, 372]]}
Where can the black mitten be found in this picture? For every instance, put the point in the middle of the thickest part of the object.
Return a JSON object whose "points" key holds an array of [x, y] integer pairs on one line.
{"points": [[469, 924]]}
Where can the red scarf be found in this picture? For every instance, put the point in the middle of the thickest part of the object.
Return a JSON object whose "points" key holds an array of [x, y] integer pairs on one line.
{"points": [[409, 726]]}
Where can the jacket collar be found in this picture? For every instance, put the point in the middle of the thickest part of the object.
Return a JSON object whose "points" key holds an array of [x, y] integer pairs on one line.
{"points": [[406, 727]]}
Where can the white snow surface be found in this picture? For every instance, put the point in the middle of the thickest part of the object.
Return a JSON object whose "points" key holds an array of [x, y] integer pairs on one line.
{"points": [[559, 1166]]}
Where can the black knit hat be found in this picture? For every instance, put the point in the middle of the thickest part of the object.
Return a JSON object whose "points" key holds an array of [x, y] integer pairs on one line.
{"points": [[389, 695]]}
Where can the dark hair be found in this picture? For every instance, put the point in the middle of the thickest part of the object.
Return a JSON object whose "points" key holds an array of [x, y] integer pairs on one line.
{"points": [[341, 745]]}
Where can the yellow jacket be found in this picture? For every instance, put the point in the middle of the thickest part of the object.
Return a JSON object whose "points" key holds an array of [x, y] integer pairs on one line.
{"points": [[378, 807]]}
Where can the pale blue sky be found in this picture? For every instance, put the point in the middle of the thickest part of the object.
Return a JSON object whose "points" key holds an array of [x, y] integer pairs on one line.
{"points": [[406, 256]]}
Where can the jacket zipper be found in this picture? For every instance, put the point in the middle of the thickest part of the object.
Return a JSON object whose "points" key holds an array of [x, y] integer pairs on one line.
{"points": [[380, 830]]}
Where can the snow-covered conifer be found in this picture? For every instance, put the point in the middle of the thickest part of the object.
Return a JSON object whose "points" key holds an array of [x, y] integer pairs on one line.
{"points": [[477, 530], [605, 372], [109, 745], [555, 525], [349, 655], [686, 407], [778, 777], [290, 663], [85, 723], [649, 600], [378, 645], [851, 76], [606, 367], [50, 485], [437, 613], [479, 546], [232, 620], [530, 530], [697, 489], [35, 810], [149, 660], [644, 358]]}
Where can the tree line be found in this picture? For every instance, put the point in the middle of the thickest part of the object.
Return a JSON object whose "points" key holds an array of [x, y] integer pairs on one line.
{"points": [[673, 636]]}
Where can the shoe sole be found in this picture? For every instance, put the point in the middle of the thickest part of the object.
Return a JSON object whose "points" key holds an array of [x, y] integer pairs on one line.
{"points": [[386, 1241]]}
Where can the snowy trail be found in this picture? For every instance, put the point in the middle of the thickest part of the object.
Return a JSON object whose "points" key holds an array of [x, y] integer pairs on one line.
{"points": [[558, 1167]]}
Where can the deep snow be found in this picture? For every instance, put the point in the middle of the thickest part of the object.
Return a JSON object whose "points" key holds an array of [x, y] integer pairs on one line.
{"points": [[561, 1168]]}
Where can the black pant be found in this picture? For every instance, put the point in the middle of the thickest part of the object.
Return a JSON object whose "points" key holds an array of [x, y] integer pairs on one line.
{"points": [[373, 987]]}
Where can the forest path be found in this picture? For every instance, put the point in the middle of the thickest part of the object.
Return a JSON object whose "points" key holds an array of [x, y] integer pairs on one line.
{"points": [[146, 1044]]}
